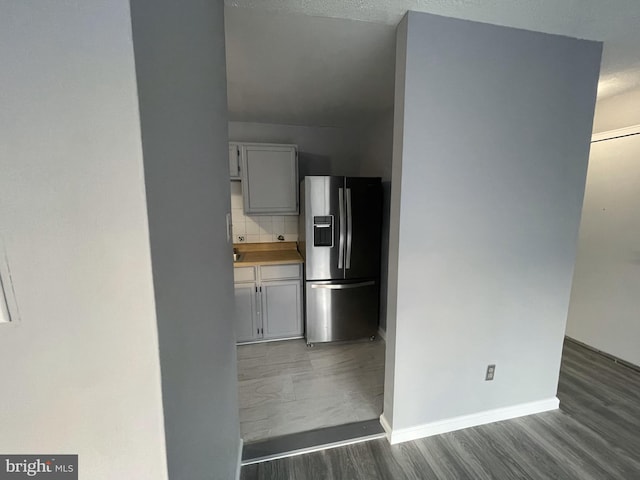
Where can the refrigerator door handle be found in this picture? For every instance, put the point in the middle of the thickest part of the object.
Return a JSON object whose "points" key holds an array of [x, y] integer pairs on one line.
{"points": [[342, 228], [342, 286], [349, 229]]}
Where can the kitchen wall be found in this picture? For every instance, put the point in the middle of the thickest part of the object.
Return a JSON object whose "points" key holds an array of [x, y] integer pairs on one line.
{"points": [[604, 301], [321, 150], [377, 146], [377, 153], [259, 228], [361, 150], [489, 167], [80, 369], [180, 66]]}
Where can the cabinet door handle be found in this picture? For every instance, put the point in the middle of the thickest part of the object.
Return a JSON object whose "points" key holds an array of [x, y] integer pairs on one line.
{"points": [[341, 221], [349, 229], [229, 225]]}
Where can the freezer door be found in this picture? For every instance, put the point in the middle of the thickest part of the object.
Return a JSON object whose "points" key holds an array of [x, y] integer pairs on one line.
{"points": [[363, 210], [341, 311], [324, 227]]}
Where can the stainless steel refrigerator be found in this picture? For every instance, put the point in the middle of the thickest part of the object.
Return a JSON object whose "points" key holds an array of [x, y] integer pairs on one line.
{"points": [[339, 238]]}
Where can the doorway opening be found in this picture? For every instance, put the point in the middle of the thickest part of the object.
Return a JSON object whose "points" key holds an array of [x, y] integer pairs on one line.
{"points": [[324, 86]]}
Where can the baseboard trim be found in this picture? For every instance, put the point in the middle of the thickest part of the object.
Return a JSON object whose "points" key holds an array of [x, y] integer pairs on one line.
{"points": [[467, 421], [382, 334], [387, 427], [239, 464]]}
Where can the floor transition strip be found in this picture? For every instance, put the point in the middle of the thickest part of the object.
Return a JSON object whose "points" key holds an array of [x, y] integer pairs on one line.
{"points": [[305, 442]]}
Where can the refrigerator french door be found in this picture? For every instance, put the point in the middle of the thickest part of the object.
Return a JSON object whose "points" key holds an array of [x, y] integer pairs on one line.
{"points": [[340, 240]]}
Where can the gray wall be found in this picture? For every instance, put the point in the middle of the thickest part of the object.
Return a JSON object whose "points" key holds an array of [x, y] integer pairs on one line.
{"points": [[180, 65], [80, 368], [394, 223], [604, 300], [294, 69], [488, 181], [321, 150]]}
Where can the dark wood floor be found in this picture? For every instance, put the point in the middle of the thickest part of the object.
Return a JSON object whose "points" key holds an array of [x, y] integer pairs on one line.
{"points": [[595, 435]]}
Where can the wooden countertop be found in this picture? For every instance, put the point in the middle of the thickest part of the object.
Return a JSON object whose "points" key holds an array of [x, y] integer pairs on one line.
{"points": [[267, 254]]}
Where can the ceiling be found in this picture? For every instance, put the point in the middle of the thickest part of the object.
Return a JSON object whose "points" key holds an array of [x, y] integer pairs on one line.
{"points": [[331, 62]]}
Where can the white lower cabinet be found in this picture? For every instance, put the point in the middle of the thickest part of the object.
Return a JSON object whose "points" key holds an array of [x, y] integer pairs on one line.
{"points": [[281, 309], [268, 309], [246, 312]]}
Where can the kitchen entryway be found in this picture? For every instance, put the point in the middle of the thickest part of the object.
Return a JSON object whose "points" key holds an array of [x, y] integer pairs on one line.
{"points": [[286, 387]]}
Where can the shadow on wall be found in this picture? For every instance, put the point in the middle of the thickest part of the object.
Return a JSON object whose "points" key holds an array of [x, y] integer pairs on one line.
{"points": [[310, 164], [384, 252], [313, 164]]}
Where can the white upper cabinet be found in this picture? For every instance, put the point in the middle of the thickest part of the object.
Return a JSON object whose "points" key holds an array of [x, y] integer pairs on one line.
{"points": [[234, 161], [269, 176]]}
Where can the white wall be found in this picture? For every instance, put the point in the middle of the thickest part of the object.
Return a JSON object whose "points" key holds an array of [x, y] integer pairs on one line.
{"points": [[617, 112], [488, 181], [180, 65], [604, 301], [80, 370]]}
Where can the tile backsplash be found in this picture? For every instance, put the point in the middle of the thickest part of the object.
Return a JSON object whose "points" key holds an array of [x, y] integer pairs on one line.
{"points": [[259, 228]]}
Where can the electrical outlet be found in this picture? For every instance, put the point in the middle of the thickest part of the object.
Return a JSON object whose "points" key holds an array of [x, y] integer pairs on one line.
{"points": [[491, 370]]}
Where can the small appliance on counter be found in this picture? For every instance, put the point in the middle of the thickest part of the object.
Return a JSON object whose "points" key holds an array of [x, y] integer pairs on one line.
{"points": [[339, 239]]}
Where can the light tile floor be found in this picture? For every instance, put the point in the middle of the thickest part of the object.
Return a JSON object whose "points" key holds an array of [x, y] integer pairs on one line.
{"points": [[286, 387]]}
